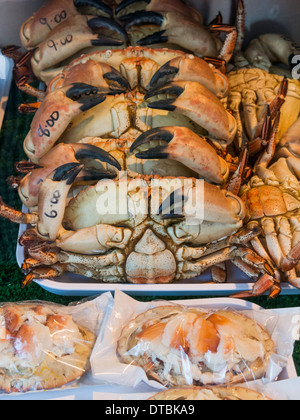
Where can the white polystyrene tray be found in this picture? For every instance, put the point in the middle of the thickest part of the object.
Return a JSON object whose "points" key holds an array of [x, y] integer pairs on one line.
{"points": [[6, 66], [142, 392], [72, 285]]}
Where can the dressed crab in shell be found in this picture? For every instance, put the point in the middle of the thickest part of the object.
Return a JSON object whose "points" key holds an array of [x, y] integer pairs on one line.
{"points": [[59, 33]]}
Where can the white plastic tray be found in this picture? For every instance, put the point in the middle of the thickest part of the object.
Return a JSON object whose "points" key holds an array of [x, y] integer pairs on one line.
{"points": [[142, 392], [6, 66], [72, 285]]}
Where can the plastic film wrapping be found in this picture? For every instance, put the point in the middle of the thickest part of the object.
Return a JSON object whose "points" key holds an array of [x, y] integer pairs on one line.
{"points": [[169, 345], [44, 345]]}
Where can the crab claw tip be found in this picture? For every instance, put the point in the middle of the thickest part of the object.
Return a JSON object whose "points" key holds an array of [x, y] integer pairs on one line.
{"points": [[98, 4], [156, 134], [89, 151], [67, 172]]}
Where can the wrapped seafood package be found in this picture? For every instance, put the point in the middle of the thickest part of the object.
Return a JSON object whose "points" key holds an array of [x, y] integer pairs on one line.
{"points": [[45, 346], [166, 344]]}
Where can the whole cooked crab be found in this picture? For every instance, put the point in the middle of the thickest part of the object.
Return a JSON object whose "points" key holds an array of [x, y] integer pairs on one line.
{"points": [[272, 198], [271, 52], [59, 32], [143, 241], [137, 237]]}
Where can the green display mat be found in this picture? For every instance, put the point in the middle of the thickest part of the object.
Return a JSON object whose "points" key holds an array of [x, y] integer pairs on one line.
{"points": [[14, 129]]}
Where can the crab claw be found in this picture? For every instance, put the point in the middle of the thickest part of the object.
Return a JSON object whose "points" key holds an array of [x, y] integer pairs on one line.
{"points": [[56, 113], [157, 6], [99, 74], [30, 185], [100, 22], [95, 4], [72, 36], [52, 199], [199, 104], [186, 147], [193, 69], [176, 28], [35, 29], [88, 151]]}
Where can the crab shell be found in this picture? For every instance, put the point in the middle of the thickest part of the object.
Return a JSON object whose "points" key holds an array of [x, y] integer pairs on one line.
{"points": [[255, 89], [151, 246], [190, 332]]}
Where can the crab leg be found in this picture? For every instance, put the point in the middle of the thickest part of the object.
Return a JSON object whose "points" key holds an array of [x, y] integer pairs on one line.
{"points": [[193, 269], [55, 115], [17, 216], [242, 237], [290, 142], [198, 103], [47, 257], [94, 240], [42, 272], [265, 284], [186, 147], [193, 69]]}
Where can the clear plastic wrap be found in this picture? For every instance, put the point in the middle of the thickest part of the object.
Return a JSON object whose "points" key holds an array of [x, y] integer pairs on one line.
{"points": [[45, 345], [164, 344], [210, 394]]}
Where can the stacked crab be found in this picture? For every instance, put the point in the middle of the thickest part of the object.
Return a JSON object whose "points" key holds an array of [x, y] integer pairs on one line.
{"points": [[165, 117]]}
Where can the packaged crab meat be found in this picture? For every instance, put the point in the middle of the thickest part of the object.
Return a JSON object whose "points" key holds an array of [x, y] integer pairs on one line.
{"points": [[194, 344], [44, 345], [209, 394]]}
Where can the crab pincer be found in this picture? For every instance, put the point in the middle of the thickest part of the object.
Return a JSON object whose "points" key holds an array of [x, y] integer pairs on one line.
{"points": [[52, 199], [35, 29], [193, 69], [184, 31], [197, 103], [126, 7], [55, 114], [72, 36], [99, 74], [186, 147]]}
